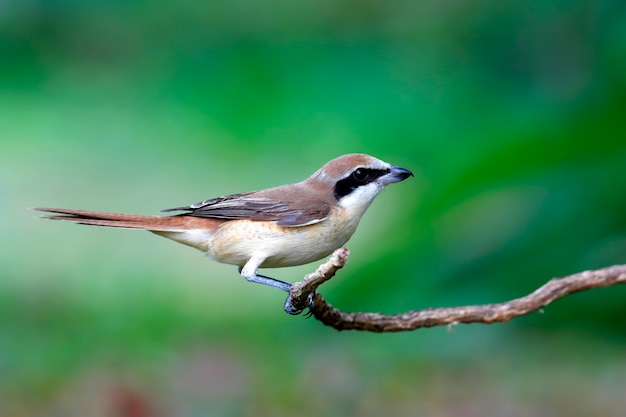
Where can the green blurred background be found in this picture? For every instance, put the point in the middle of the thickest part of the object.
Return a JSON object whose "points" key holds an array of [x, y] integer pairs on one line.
{"points": [[511, 114]]}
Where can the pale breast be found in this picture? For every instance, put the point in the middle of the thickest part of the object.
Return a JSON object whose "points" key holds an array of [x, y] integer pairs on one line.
{"points": [[235, 242]]}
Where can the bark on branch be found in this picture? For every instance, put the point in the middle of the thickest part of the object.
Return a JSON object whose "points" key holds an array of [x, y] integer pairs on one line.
{"points": [[488, 313]]}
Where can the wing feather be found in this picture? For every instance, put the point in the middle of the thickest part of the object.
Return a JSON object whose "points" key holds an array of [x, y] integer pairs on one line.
{"points": [[255, 206]]}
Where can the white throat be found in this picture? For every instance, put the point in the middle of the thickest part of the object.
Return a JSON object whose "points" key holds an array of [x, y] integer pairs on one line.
{"points": [[357, 202]]}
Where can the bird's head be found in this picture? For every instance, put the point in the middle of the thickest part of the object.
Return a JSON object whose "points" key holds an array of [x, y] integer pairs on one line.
{"points": [[356, 179]]}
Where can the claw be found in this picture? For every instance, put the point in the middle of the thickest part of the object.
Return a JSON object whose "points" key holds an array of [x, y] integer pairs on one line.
{"points": [[288, 307]]}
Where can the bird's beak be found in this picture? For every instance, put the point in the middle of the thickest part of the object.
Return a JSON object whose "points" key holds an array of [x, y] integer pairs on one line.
{"points": [[396, 174]]}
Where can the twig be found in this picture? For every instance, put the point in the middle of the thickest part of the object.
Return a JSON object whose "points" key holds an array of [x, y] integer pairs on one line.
{"points": [[412, 320], [300, 291]]}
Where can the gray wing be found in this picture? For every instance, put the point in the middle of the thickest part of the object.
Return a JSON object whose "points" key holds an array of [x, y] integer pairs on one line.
{"points": [[247, 206]]}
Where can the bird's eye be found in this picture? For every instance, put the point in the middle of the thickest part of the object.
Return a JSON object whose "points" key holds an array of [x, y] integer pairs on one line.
{"points": [[360, 175]]}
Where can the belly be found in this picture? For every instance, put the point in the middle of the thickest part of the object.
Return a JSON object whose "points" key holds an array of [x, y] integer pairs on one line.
{"points": [[235, 242]]}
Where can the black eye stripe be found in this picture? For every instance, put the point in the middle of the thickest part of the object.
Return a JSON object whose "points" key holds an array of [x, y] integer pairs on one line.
{"points": [[358, 177]]}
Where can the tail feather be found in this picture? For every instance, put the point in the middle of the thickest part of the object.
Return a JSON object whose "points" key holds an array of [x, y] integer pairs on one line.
{"points": [[129, 221]]}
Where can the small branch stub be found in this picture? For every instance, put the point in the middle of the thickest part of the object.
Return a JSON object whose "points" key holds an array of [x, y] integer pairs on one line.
{"points": [[301, 291]]}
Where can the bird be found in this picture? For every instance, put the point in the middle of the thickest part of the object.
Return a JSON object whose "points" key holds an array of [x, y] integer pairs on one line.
{"points": [[283, 226]]}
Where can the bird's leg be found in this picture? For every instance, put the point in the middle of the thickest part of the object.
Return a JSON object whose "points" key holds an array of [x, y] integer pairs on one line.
{"points": [[271, 282], [281, 285], [249, 272]]}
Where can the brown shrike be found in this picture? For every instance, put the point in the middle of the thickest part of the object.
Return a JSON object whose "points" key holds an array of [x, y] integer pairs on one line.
{"points": [[287, 225]]}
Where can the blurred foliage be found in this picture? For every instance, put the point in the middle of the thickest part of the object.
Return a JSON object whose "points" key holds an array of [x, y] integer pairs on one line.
{"points": [[511, 114]]}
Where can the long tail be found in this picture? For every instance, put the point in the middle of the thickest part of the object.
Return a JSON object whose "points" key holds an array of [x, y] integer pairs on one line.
{"points": [[131, 221]]}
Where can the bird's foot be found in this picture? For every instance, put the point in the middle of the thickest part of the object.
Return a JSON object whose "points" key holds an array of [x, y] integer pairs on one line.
{"points": [[290, 309]]}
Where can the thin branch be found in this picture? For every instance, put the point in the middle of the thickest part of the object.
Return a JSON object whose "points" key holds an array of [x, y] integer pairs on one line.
{"points": [[299, 294], [412, 320]]}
